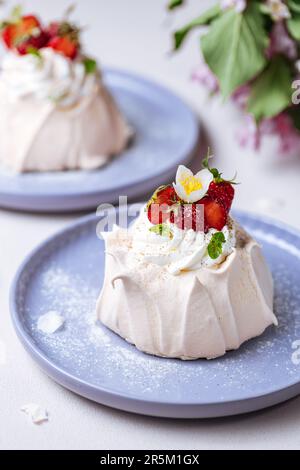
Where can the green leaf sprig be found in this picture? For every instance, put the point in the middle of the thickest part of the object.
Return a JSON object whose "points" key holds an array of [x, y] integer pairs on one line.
{"points": [[215, 246], [162, 229], [90, 65]]}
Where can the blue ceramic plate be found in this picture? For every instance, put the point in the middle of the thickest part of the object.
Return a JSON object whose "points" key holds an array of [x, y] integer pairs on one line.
{"points": [[166, 134], [66, 273]]}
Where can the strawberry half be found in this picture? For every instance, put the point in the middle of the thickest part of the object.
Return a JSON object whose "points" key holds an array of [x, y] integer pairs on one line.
{"points": [[215, 214], [222, 192], [158, 208], [64, 38], [34, 42], [189, 216], [15, 33], [53, 29], [65, 45]]}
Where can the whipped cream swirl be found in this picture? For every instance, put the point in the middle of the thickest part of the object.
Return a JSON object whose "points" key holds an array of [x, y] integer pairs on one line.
{"points": [[47, 76], [185, 251]]}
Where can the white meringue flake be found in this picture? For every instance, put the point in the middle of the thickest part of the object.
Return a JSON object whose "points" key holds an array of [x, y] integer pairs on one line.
{"points": [[189, 187], [50, 322], [36, 413]]}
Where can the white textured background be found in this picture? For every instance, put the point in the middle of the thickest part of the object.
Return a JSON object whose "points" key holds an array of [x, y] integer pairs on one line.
{"points": [[135, 35]]}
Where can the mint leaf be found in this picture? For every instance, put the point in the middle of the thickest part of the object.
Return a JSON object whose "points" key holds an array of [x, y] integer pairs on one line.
{"points": [[215, 247], [34, 51], [293, 25], [202, 20], [271, 91], [175, 3], [90, 65], [234, 47], [162, 229]]}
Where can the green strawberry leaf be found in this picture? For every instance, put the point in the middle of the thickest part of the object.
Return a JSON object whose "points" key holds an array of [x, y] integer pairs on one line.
{"points": [[293, 25], [293, 5], [90, 65], [204, 19], [175, 3], [162, 229], [234, 47], [271, 91], [215, 247]]}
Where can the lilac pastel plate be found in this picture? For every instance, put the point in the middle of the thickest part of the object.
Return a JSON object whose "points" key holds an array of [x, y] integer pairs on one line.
{"points": [[65, 274], [166, 134]]}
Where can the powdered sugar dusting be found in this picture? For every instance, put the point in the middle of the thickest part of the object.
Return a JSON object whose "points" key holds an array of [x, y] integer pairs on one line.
{"points": [[69, 279]]}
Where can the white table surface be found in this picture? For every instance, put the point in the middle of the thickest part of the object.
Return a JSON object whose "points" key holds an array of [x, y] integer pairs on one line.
{"points": [[135, 35]]}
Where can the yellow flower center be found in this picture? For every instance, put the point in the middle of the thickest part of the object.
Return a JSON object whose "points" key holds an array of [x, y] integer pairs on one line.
{"points": [[191, 184]]}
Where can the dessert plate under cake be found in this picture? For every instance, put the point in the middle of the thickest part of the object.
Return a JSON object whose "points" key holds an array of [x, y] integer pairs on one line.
{"points": [[65, 275], [166, 134]]}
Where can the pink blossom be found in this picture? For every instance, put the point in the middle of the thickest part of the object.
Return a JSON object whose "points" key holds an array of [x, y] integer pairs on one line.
{"points": [[289, 137], [281, 127], [281, 42], [248, 134], [205, 77], [240, 96]]}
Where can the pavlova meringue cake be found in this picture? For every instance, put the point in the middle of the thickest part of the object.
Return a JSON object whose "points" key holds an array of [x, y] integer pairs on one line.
{"points": [[55, 112], [185, 280]]}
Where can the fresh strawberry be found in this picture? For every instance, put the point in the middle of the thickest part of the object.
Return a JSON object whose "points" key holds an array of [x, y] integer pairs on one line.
{"points": [[189, 216], [65, 45], [15, 33], [158, 208], [222, 192], [33, 42], [53, 29], [215, 214]]}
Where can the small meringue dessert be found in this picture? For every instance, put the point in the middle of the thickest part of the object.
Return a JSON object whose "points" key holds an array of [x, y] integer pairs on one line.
{"points": [[55, 111], [185, 280]]}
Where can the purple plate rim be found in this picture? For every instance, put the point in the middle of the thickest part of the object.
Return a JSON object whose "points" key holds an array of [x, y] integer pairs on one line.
{"points": [[76, 200], [129, 401]]}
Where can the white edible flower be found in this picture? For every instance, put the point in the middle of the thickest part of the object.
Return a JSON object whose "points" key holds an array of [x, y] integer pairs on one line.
{"points": [[238, 5], [278, 10], [189, 187]]}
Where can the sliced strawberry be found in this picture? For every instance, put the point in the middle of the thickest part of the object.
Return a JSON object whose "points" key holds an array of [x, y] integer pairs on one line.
{"points": [[7, 35], [65, 45], [34, 42], [189, 216], [222, 192], [53, 29], [15, 33], [158, 209], [215, 214]]}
